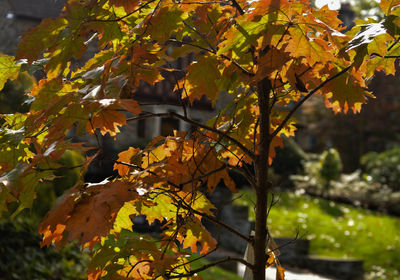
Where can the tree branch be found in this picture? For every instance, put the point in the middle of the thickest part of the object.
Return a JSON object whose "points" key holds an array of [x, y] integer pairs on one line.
{"points": [[204, 267], [304, 99], [125, 16], [202, 36], [237, 6], [216, 222], [62, 168], [394, 43], [203, 175], [185, 119], [244, 71]]}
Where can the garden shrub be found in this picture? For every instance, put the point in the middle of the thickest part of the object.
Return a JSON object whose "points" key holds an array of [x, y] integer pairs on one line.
{"points": [[21, 257], [330, 166], [384, 167], [13, 98]]}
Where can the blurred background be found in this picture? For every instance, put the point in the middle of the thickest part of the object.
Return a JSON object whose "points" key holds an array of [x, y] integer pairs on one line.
{"points": [[337, 184]]}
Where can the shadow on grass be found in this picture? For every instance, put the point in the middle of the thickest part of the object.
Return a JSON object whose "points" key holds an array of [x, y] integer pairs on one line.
{"points": [[330, 208]]}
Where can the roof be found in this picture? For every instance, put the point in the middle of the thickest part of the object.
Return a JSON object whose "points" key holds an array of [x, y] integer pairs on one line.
{"points": [[37, 9]]}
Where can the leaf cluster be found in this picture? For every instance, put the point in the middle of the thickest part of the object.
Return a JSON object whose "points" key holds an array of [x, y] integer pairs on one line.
{"points": [[269, 56]]}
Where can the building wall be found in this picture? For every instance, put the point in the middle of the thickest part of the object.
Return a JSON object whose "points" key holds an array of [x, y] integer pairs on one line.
{"points": [[9, 32]]}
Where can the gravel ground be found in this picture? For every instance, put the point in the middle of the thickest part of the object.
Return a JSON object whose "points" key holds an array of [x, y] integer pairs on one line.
{"points": [[289, 275]]}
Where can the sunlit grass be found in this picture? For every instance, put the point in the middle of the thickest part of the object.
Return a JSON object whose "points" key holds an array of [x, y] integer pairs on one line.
{"points": [[336, 230]]}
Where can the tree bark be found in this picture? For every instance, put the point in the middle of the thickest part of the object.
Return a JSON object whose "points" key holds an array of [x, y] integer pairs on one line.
{"points": [[263, 185]]}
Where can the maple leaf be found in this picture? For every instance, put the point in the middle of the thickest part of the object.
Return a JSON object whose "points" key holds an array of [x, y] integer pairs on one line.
{"points": [[131, 156], [329, 17], [124, 217], [160, 208], [9, 69], [367, 34], [276, 142], [346, 92], [301, 45], [239, 37], [280, 273], [279, 9], [293, 71], [129, 105], [85, 215], [45, 91], [19, 184], [388, 5], [129, 6], [194, 235], [36, 40], [297, 50], [201, 79], [108, 119], [213, 163], [65, 49], [166, 20], [270, 62], [131, 256]]}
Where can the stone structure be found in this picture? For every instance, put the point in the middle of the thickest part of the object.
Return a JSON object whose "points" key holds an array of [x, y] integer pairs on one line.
{"points": [[18, 16], [9, 32]]}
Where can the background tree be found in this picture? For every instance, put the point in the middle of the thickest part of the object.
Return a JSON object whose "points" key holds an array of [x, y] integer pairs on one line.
{"points": [[269, 56]]}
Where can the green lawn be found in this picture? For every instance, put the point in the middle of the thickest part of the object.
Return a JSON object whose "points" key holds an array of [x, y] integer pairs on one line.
{"points": [[213, 272], [337, 230]]}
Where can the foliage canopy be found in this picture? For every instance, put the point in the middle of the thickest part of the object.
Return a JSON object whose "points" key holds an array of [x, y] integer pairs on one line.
{"points": [[269, 56]]}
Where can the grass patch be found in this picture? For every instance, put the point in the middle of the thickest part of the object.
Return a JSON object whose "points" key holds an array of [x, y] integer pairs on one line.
{"points": [[214, 272], [337, 230]]}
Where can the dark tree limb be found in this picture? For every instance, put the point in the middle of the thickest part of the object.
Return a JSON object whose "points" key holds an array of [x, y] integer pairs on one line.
{"points": [[237, 6], [304, 99]]}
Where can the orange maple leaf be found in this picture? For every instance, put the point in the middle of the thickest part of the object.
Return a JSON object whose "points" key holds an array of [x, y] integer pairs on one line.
{"points": [[85, 215], [128, 5]]}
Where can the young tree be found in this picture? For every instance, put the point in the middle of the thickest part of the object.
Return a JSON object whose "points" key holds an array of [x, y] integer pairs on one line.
{"points": [[270, 56]]}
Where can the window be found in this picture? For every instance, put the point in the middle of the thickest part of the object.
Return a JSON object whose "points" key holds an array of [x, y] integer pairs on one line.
{"points": [[168, 125]]}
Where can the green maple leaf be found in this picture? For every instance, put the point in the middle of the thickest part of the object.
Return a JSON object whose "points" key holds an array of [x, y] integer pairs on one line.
{"points": [[345, 92], [166, 21], [40, 38], [9, 69], [202, 78], [66, 48], [367, 34]]}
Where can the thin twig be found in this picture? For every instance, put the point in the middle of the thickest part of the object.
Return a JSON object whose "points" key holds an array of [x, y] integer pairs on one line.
{"points": [[149, 261], [203, 175], [125, 16], [245, 71], [204, 267], [196, 259], [304, 99], [218, 223], [202, 36], [178, 116], [58, 168], [394, 43]]}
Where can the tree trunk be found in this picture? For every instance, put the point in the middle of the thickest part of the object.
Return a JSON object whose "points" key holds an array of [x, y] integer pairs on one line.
{"points": [[261, 173]]}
